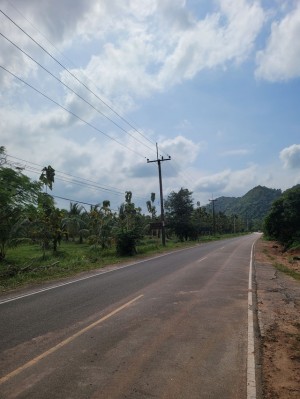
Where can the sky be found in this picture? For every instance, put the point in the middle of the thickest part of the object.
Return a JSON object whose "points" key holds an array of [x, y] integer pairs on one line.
{"points": [[94, 88]]}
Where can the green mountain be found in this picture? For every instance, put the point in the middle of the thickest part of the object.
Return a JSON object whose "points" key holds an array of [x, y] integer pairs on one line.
{"points": [[253, 206]]}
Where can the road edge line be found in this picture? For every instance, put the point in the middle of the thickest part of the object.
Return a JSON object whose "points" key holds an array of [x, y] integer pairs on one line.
{"points": [[251, 379]]}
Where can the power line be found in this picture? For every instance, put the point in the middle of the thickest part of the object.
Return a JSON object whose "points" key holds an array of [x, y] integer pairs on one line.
{"points": [[87, 183], [77, 202], [87, 88], [69, 111], [75, 77], [73, 91], [64, 173]]}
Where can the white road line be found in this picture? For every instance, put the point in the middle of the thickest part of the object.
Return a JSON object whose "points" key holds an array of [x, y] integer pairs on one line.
{"points": [[251, 380], [52, 287], [200, 260]]}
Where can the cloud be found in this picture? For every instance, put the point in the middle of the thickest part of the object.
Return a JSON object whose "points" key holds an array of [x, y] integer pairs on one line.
{"points": [[138, 48], [132, 50], [228, 181], [56, 29], [143, 55], [290, 157], [222, 37], [181, 149], [280, 60]]}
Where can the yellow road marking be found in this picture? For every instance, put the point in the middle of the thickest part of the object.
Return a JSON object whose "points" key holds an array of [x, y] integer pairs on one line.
{"points": [[65, 342]]}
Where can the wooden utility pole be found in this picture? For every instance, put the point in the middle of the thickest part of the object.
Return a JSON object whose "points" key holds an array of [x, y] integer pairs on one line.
{"points": [[214, 216], [162, 213]]}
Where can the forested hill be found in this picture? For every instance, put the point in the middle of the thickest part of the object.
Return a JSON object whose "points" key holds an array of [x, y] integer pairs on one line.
{"points": [[254, 205]]}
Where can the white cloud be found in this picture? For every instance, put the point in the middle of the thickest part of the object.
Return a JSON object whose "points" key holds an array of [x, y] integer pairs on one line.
{"points": [[228, 181], [132, 50], [143, 56], [226, 36], [280, 60], [183, 150], [290, 157], [138, 48]]}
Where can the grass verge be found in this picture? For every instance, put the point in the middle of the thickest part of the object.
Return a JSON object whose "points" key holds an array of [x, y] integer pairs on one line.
{"points": [[286, 270], [25, 265]]}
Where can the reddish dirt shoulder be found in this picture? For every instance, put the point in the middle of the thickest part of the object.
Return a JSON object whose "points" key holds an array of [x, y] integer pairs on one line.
{"points": [[278, 297]]}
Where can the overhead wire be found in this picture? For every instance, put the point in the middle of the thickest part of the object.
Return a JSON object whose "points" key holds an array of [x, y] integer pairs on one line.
{"points": [[74, 179], [79, 96], [78, 202], [75, 77], [63, 173], [70, 112], [73, 91]]}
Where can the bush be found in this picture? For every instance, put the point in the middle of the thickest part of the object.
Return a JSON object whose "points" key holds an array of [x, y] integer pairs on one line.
{"points": [[126, 243]]}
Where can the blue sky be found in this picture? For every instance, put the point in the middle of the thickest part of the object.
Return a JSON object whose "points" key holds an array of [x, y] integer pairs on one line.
{"points": [[214, 83]]}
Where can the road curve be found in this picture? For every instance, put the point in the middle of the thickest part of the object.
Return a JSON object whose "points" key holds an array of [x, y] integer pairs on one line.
{"points": [[174, 326]]}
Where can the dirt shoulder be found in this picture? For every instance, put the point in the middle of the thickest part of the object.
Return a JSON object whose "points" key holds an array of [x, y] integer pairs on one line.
{"points": [[278, 301]]}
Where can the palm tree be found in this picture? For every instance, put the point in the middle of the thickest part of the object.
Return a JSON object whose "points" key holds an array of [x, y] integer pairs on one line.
{"points": [[74, 222]]}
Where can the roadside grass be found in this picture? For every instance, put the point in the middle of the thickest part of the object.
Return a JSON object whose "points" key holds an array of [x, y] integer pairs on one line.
{"points": [[286, 270], [289, 257], [25, 264]]}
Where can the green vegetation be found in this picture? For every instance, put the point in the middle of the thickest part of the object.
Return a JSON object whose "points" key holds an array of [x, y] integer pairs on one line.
{"points": [[39, 241], [283, 221], [251, 209], [179, 210], [25, 264], [287, 271]]}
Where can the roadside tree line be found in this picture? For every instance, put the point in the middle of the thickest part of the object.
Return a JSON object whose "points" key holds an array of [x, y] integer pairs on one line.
{"points": [[283, 221], [28, 214]]}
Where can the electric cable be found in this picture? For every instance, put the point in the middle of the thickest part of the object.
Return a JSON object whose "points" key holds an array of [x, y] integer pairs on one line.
{"points": [[88, 183], [73, 91], [65, 173], [69, 111], [75, 77], [79, 81]]}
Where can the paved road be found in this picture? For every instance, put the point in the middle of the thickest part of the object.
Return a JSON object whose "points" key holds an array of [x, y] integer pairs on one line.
{"points": [[170, 327]]}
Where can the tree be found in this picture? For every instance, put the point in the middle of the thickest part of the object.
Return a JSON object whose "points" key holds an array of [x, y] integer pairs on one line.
{"points": [[130, 227], [179, 209], [283, 221], [46, 224], [73, 222], [101, 225], [47, 176], [17, 191], [202, 221], [151, 207]]}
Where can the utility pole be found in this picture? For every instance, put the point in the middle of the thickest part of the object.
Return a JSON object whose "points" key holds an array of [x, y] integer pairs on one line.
{"points": [[162, 213], [214, 217]]}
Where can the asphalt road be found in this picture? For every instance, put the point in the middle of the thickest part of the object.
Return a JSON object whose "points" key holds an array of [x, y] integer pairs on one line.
{"points": [[174, 326]]}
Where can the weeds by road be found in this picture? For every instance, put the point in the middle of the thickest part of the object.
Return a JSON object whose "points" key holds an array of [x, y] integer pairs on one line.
{"points": [[25, 264], [278, 296]]}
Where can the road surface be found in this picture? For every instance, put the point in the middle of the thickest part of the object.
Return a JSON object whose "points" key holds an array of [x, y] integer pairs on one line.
{"points": [[174, 326]]}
